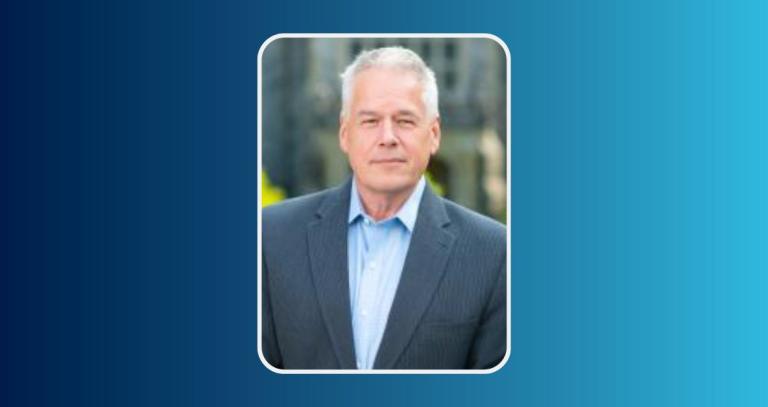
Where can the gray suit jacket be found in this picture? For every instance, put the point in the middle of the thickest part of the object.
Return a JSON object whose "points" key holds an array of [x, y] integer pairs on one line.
{"points": [[449, 310]]}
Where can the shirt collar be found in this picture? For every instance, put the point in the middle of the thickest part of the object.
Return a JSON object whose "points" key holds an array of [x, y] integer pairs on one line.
{"points": [[407, 213]]}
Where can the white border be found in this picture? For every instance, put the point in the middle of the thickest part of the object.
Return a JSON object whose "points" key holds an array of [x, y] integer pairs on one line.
{"points": [[509, 205]]}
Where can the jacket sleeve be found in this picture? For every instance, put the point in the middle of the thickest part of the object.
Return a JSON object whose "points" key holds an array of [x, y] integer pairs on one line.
{"points": [[490, 343], [269, 346]]}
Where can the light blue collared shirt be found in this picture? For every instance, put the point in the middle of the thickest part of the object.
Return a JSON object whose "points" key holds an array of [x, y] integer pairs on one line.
{"points": [[376, 252]]}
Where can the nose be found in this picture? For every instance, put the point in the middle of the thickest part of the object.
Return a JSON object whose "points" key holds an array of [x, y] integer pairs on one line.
{"points": [[388, 138]]}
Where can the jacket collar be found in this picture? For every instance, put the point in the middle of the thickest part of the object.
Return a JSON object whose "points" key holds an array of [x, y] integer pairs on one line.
{"points": [[424, 267]]}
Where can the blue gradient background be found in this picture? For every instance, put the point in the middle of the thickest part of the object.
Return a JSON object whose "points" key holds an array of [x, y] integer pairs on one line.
{"points": [[639, 196]]}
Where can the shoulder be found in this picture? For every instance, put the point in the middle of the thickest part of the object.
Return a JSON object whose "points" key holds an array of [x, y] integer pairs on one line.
{"points": [[475, 228], [290, 208], [301, 209], [467, 218]]}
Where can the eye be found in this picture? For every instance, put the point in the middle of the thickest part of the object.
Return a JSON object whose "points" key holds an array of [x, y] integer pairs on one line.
{"points": [[369, 122], [406, 122]]}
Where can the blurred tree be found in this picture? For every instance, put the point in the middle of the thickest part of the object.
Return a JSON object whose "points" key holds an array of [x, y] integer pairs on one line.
{"points": [[270, 194], [436, 187]]}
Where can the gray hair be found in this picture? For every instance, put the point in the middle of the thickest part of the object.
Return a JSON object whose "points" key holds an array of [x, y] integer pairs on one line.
{"points": [[395, 58]]}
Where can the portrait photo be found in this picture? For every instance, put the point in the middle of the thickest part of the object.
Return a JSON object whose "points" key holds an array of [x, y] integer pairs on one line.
{"points": [[383, 218]]}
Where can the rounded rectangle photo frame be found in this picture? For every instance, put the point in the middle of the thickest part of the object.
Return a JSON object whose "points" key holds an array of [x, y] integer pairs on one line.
{"points": [[316, 322]]}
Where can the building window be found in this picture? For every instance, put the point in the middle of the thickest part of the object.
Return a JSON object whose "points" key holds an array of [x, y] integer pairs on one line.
{"points": [[355, 49], [426, 52], [450, 50], [450, 80]]}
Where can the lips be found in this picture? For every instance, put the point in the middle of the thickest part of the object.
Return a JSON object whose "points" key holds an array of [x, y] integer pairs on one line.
{"points": [[388, 161]]}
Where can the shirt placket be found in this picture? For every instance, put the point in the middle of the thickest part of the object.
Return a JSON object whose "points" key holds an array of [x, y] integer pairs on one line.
{"points": [[367, 292]]}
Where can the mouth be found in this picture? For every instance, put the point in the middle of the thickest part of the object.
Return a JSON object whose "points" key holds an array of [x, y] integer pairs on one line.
{"points": [[388, 161]]}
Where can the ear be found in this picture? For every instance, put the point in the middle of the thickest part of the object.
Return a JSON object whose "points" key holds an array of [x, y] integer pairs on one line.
{"points": [[343, 134], [434, 134]]}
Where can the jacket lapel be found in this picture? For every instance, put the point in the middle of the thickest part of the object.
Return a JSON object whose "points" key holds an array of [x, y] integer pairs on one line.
{"points": [[327, 237], [424, 267]]}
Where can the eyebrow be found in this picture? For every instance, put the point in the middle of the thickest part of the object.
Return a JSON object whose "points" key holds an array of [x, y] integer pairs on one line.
{"points": [[407, 113], [404, 112], [367, 113]]}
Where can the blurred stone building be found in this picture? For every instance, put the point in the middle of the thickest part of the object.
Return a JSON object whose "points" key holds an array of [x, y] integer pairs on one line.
{"points": [[302, 99]]}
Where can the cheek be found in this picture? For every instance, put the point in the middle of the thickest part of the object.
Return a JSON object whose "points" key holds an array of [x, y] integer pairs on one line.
{"points": [[358, 152], [422, 149], [365, 144]]}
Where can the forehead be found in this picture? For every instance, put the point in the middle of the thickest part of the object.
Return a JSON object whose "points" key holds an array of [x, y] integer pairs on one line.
{"points": [[384, 86]]}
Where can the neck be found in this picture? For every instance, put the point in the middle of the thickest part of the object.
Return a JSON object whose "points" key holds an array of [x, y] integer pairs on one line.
{"points": [[381, 206]]}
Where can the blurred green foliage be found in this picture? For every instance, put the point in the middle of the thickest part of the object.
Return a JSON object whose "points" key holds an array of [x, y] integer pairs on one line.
{"points": [[436, 187], [270, 193]]}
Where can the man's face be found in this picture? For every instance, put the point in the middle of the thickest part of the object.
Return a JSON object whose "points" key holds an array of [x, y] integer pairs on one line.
{"points": [[386, 134]]}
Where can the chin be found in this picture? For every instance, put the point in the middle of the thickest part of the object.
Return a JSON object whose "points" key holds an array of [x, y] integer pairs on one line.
{"points": [[392, 185]]}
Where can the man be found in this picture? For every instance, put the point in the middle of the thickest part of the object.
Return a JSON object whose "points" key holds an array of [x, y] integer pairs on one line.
{"points": [[380, 273]]}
